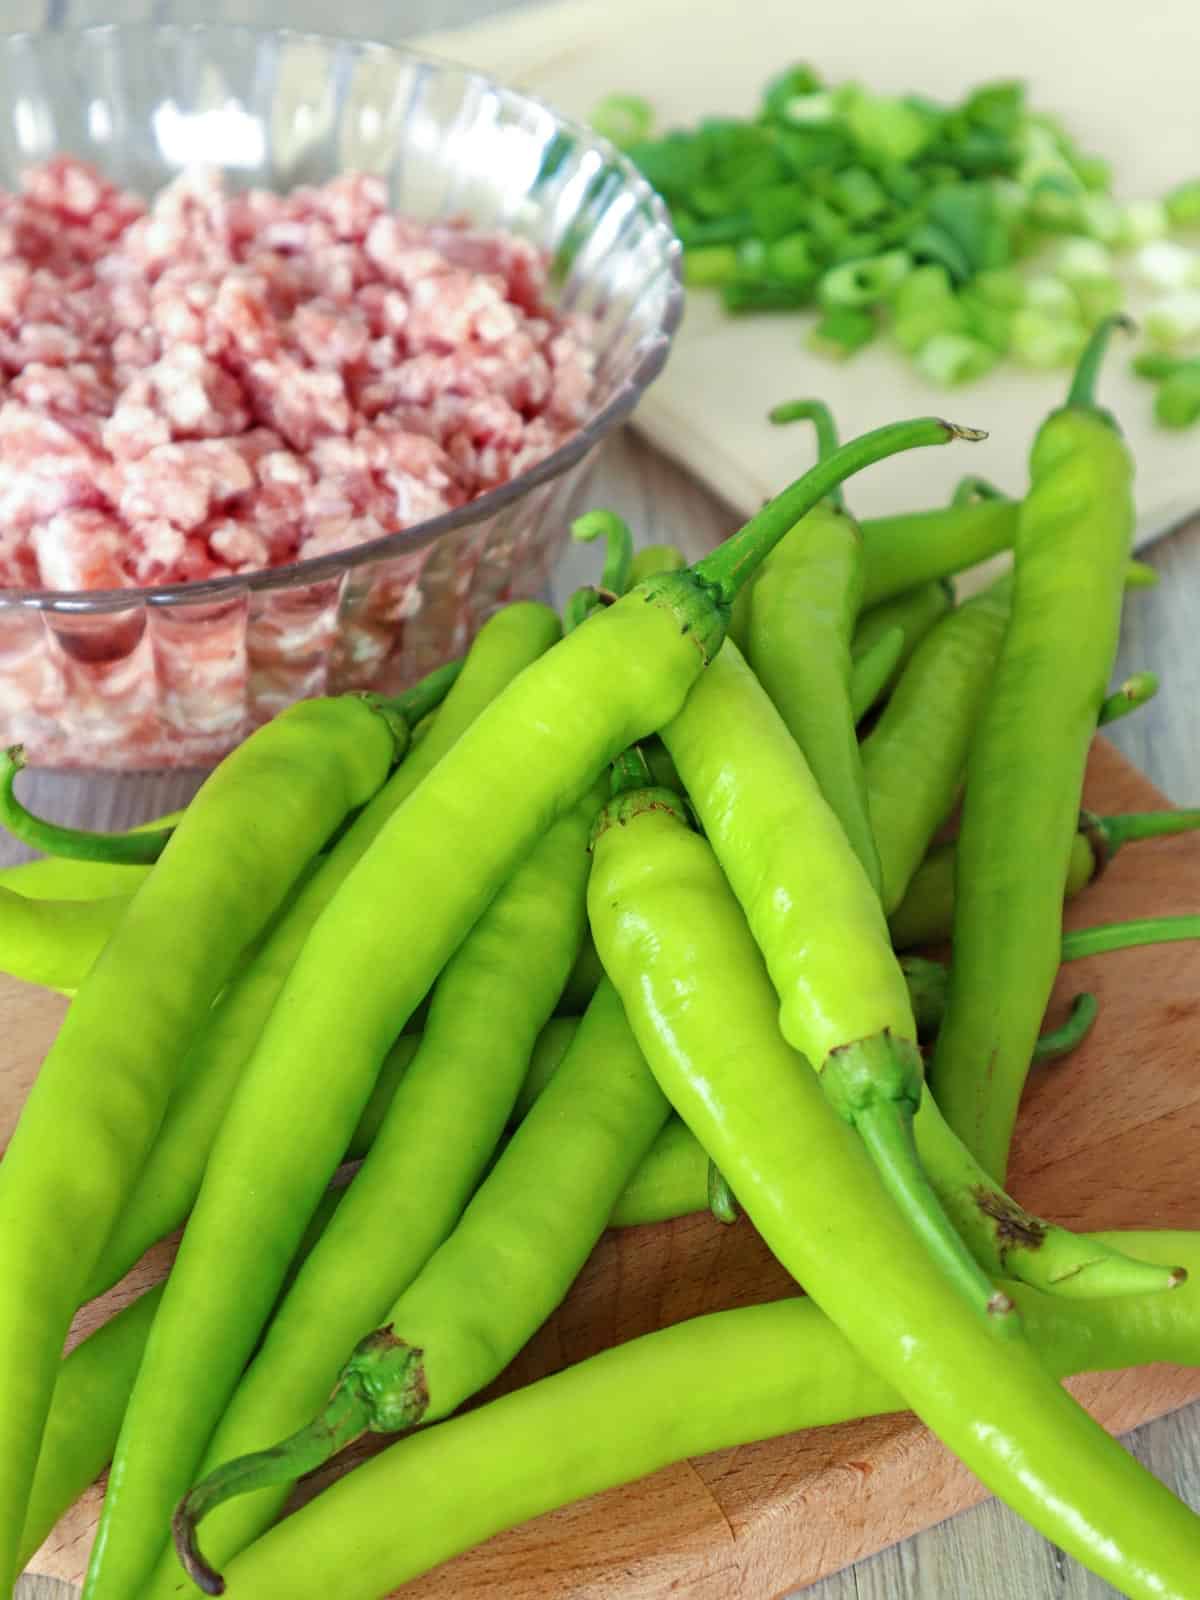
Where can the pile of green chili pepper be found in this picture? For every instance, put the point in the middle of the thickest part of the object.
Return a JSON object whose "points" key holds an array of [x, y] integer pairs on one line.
{"points": [[597, 927]]}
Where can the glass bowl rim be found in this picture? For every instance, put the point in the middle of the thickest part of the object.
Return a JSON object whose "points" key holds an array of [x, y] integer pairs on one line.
{"points": [[408, 540]]}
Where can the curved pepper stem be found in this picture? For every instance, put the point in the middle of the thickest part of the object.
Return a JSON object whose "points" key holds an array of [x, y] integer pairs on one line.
{"points": [[381, 1390], [617, 570], [1082, 394], [416, 703], [875, 1085], [927, 981], [732, 563], [77, 844], [969, 490], [1131, 826], [819, 414], [618, 553], [1136, 691], [1056, 1043]]}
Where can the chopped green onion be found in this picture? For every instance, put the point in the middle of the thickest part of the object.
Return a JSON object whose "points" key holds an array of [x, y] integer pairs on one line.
{"points": [[1177, 403], [842, 331], [778, 209], [1175, 319], [791, 259], [1000, 287], [626, 119], [710, 267], [1183, 205], [924, 304], [1043, 341], [1081, 260], [931, 243], [715, 230], [1099, 217], [892, 130], [1099, 298], [1154, 364], [1142, 220], [1163, 264], [900, 213], [858, 194], [1050, 296], [949, 358], [865, 283], [991, 323], [763, 295]]}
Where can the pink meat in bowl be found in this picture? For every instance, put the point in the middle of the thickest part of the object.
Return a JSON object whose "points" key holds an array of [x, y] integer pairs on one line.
{"points": [[264, 442]]}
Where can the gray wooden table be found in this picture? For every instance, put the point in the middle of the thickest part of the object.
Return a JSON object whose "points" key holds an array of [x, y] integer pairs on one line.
{"points": [[987, 1553]]}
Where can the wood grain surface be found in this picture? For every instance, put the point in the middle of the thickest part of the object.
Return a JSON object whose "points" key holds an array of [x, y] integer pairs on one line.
{"points": [[1106, 1140]]}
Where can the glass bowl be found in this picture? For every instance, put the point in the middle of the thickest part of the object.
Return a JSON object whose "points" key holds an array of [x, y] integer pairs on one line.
{"points": [[174, 676]]}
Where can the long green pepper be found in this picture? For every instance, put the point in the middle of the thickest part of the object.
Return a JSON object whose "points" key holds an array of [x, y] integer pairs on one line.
{"points": [[843, 1000], [99, 1097], [494, 994], [525, 760], [55, 942], [702, 1006], [520, 1244], [1026, 764], [822, 932], [710, 1383], [804, 605], [926, 913], [170, 1180], [913, 758]]}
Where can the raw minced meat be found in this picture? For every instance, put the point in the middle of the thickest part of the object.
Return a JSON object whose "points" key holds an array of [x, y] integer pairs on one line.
{"points": [[225, 381]]}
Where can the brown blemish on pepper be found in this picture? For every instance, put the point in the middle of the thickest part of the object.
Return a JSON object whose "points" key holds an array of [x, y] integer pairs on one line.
{"points": [[1014, 1228]]}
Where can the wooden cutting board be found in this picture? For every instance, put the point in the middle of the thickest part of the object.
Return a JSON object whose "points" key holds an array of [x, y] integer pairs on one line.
{"points": [[1107, 1139]]}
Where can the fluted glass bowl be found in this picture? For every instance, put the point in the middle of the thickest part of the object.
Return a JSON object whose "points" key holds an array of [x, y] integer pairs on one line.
{"points": [[174, 676]]}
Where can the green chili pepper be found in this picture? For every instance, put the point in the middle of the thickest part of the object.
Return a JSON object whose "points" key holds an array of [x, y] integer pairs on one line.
{"points": [[652, 559], [813, 916], [55, 942], [170, 1179], [871, 672], [803, 608], [1135, 692], [926, 913], [85, 1131], [913, 759], [520, 1244], [761, 1372], [531, 755], [59, 878], [665, 921], [927, 982], [672, 1180], [1026, 763], [92, 1387], [141, 848], [903, 551], [914, 612], [90, 1395]]}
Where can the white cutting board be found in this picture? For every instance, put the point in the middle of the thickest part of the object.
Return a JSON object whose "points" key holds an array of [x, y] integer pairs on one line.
{"points": [[1124, 79]]}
